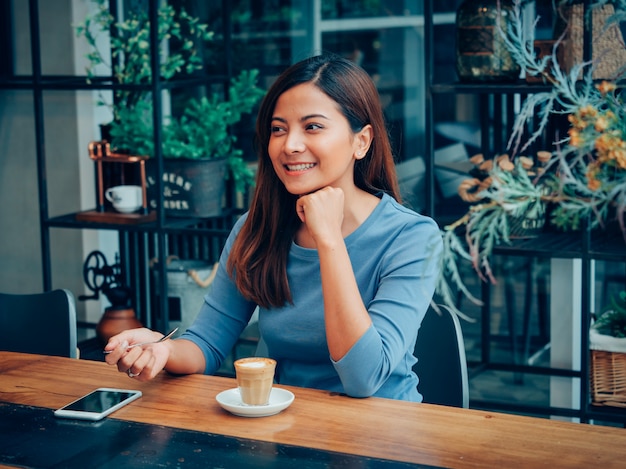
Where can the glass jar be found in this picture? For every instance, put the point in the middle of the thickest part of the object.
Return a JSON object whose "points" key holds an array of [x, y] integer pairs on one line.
{"points": [[481, 53]]}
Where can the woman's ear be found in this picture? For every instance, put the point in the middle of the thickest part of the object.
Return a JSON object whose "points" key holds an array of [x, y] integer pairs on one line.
{"points": [[363, 140]]}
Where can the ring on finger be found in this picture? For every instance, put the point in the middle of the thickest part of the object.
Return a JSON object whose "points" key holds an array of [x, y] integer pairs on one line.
{"points": [[131, 374]]}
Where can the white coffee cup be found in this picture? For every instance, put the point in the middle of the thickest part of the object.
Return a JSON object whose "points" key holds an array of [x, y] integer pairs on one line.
{"points": [[125, 199]]}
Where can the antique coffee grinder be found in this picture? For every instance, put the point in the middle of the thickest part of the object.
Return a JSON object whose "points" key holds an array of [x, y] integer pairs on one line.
{"points": [[99, 276]]}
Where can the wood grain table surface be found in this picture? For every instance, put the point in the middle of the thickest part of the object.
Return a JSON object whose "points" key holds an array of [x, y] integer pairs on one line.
{"points": [[379, 428]]}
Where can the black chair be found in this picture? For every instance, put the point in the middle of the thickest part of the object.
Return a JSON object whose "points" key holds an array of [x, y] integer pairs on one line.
{"points": [[441, 364], [43, 323]]}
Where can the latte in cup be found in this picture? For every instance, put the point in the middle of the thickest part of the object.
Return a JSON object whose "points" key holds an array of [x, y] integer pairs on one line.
{"points": [[255, 377]]}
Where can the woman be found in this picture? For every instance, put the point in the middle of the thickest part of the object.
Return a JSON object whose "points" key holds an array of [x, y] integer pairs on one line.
{"points": [[341, 272]]}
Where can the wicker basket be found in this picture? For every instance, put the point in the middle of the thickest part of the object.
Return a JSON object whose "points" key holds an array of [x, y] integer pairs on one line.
{"points": [[609, 55], [608, 378]]}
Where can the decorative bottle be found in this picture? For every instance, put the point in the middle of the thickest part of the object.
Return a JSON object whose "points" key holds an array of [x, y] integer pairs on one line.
{"points": [[481, 53]]}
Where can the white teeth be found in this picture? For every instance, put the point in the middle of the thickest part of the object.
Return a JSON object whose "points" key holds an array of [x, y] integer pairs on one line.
{"points": [[299, 167]]}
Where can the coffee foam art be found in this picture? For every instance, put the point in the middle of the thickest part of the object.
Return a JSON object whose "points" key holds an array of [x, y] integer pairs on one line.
{"points": [[254, 364]]}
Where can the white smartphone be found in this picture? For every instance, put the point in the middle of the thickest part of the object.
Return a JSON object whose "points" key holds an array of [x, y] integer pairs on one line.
{"points": [[97, 404]]}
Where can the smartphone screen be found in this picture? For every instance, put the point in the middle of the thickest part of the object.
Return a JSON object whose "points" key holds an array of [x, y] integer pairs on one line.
{"points": [[98, 403]]}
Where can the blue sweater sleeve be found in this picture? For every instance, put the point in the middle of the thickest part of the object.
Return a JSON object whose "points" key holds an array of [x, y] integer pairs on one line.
{"points": [[223, 315], [407, 274]]}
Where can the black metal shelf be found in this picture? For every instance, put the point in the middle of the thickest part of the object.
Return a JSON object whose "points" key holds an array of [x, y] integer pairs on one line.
{"points": [[609, 414], [608, 244], [518, 368], [604, 245], [517, 87], [209, 226], [586, 245], [546, 245], [75, 82], [139, 242]]}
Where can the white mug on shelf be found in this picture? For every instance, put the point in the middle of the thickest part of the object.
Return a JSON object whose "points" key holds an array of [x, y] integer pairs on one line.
{"points": [[125, 199]]}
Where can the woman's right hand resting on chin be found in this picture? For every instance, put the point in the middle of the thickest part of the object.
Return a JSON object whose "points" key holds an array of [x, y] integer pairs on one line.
{"points": [[145, 362]]}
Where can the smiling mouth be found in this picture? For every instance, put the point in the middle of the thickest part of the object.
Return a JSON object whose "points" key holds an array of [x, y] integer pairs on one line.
{"points": [[299, 167]]}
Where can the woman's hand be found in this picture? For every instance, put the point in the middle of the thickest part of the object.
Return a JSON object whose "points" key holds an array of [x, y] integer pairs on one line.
{"points": [[142, 362], [322, 213]]}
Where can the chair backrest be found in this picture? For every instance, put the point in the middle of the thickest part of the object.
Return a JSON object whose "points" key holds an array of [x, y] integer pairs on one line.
{"points": [[43, 323], [441, 364]]}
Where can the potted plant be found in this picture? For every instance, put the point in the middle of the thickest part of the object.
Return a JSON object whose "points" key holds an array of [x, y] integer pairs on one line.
{"points": [[198, 147], [607, 341], [508, 198], [612, 321], [200, 134], [581, 178]]}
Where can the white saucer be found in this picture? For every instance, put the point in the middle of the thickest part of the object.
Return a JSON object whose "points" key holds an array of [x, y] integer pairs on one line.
{"points": [[230, 400]]}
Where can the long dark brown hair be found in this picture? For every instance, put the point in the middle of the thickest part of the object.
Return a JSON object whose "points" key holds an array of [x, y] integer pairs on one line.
{"points": [[258, 259]]}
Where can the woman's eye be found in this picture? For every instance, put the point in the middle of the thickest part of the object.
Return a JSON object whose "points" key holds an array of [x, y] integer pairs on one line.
{"points": [[276, 129], [313, 126]]}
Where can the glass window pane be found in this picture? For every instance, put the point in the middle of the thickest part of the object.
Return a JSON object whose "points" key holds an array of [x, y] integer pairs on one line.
{"points": [[390, 56], [343, 9]]}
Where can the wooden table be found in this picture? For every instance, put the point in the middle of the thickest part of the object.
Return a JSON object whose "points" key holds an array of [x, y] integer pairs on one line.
{"points": [[421, 434]]}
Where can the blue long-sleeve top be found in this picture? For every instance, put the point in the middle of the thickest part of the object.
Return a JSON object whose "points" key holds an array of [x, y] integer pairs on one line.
{"points": [[395, 256]]}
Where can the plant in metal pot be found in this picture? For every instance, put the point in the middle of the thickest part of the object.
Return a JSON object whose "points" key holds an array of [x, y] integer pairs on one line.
{"points": [[201, 132]]}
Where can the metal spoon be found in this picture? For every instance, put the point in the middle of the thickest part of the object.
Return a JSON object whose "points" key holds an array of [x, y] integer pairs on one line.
{"points": [[165, 337]]}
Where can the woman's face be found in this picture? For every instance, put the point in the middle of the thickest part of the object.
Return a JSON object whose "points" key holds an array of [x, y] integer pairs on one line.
{"points": [[311, 144]]}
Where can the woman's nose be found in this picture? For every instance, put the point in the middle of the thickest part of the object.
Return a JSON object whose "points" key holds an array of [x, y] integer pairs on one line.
{"points": [[294, 143]]}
